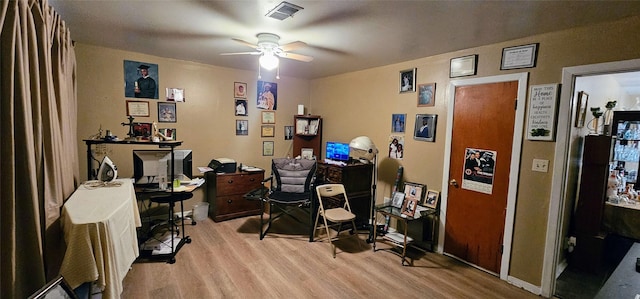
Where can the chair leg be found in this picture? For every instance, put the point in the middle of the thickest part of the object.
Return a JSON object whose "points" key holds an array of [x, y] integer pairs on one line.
{"points": [[331, 246], [315, 225]]}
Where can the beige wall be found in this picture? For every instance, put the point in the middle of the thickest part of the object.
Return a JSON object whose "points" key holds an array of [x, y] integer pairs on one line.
{"points": [[352, 104]]}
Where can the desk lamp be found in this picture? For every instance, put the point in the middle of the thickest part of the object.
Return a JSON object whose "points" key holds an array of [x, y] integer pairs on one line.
{"points": [[363, 149]]}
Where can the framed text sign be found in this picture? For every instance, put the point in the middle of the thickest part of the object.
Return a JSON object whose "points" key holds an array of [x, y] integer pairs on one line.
{"points": [[543, 100]]}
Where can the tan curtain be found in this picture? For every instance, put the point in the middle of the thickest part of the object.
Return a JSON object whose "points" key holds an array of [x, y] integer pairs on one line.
{"points": [[38, 158]]}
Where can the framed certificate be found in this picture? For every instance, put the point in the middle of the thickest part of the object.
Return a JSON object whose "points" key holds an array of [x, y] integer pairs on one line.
{"points": [[519, 57], [463, 66], [268, 117], [267, 148], [137, 108], [268, 131]]}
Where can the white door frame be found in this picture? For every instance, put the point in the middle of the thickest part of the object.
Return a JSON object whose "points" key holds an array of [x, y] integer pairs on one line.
{"points": [[554, 243], [515, 159]]}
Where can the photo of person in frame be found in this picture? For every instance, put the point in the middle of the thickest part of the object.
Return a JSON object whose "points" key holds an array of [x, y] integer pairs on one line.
{"points": [[267, 95], [140, 80]]}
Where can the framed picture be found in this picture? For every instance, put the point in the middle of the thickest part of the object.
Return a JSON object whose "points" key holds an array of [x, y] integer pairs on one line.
{"points": [[397, 200], [396, 147], [240, 90], [425, 127], [427, 95], [241, 107], [398, 122], [408, 80], [519, 57], [242, 127], [409, 207], [175, 94], [463, 66], [137, 108], [140, 79], [268, 131], [167, 112], [414, 190], [267, 95], [268, 117], [306, 153], [581, 109], [543, 100], [431, 200], [267, 148], [142, 129], [168, 133], [288, 132], [57, 288]]}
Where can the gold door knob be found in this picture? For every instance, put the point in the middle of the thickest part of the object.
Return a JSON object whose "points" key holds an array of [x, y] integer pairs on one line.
{"points": [[453, 182]]}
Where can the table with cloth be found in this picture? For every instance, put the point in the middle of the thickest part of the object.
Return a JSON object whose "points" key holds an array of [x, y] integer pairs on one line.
{"points": [[99, 226]]}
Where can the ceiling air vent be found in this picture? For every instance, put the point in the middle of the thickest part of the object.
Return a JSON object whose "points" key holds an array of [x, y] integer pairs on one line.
{"points": [[283, 11]]}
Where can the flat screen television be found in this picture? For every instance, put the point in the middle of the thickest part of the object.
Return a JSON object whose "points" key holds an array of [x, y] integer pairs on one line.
{"points": [[150, 165], [337, 151]]}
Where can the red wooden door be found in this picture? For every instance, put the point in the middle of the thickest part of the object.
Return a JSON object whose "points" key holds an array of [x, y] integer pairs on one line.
{"points": [[482, 136]]}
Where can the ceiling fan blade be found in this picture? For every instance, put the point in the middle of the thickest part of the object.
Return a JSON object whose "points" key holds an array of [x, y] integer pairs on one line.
{"points": [[292, 46], [294, 56], [245, 43], [241, 53]]}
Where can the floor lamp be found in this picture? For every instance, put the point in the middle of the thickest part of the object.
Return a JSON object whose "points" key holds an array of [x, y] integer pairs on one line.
{"points": [[363, 149]]}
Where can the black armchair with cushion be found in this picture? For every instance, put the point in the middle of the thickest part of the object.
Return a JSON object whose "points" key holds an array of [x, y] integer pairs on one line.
{"points": [[291, 188]]}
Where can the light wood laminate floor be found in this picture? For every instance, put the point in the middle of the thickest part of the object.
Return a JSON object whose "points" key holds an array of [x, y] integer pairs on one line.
{"points": [[228, 260]]}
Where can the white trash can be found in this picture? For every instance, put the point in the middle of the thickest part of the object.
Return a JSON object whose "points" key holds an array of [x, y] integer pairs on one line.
{"points": [[200, 211]]}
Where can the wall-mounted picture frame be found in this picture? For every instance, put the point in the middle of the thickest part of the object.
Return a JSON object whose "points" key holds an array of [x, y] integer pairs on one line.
{"points": [[142, 129], [175, 94], [463, 66], [425, 127], [267, 148], [397, 200], [168, 133], [398, 122], [426, 95], [167, 112], [542, 112], [141, 79], [288, 132], [240, 90], [519, 57], [581, 109], [267, 95], [267, 131], [57, 288], [408, 80], [268, 117], [414, 191], [137, 108], [241, 107], [242, 127], [431, 200]]}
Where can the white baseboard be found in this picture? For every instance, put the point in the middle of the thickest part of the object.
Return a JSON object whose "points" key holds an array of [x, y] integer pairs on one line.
{"points": [[560, 268], [537, 290]]}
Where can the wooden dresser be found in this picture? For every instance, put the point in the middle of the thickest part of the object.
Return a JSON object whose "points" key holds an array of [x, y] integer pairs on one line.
{"points": [[356, 179], [225, 192]]}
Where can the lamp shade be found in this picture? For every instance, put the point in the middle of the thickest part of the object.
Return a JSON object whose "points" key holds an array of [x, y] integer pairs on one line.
{"points": [[269, 61], [363, 148]]}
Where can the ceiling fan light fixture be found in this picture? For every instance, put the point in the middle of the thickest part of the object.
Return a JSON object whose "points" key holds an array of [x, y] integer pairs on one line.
{"points": [[269, 61]]}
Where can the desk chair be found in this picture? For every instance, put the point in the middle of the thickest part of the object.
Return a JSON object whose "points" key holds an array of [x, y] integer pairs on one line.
{"points": [[171, 199], [330, 196], [291, 188]]}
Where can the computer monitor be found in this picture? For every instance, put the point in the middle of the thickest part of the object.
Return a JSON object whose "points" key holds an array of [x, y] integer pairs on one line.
{"points": [[150, 165], [337, 151]]}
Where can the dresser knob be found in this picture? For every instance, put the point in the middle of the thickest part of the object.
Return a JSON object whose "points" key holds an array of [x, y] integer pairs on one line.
{"points": [[230, 181], [229, 201]]}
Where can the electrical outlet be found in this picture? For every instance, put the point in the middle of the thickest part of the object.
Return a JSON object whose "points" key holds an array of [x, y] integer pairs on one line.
{"points": [[540, 165]]}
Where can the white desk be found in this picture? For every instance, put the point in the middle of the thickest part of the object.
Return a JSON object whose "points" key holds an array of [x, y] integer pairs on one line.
{"points": [[100, 231]]}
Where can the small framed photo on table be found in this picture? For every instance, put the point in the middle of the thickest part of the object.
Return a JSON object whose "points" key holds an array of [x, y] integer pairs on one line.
{"points": [[398, 200], [431, 201], [414, 191]]}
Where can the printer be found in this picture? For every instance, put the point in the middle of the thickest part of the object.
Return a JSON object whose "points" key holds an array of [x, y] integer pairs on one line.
{"points": [[224, 165]]}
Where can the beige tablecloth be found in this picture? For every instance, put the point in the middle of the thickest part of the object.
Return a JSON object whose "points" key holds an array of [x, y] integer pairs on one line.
{"points": [[100, 231]]}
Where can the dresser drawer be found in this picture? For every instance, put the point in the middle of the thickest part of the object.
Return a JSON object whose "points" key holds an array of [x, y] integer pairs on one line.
{"points": [[237, 184], [232, 206]]}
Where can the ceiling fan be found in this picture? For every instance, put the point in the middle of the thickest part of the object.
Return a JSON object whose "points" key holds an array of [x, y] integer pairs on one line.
{"points": [[269, 49]]}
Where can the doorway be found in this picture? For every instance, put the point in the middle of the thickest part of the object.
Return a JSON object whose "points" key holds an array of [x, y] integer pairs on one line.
{"points": [[565, 174], [500, 254]]}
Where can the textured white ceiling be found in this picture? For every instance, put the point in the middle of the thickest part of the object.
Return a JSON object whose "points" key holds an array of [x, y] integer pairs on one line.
{"points": [[342, 36]]}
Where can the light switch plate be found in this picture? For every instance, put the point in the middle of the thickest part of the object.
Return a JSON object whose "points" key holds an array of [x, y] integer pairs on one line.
{"points": [[540, 165]]}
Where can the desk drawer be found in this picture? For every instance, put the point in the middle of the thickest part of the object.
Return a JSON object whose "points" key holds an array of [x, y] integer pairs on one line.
{"points": [[237, 184], [233, 206]]}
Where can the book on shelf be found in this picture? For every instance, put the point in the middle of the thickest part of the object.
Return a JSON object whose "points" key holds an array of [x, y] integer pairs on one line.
{"points": [[302, 125]]}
